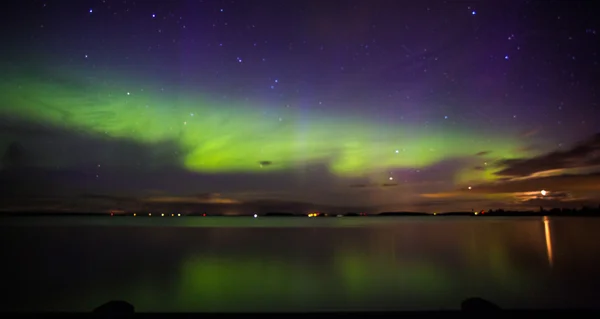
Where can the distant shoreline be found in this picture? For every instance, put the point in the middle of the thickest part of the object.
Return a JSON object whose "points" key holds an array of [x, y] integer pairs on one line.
{"points": [[574, 213]]}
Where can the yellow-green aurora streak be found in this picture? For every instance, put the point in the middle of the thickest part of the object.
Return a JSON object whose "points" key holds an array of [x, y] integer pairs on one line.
{"points": [[220, 136]]}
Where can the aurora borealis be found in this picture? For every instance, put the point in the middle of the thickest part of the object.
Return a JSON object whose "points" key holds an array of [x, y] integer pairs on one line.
{"points": [[389, 105]]}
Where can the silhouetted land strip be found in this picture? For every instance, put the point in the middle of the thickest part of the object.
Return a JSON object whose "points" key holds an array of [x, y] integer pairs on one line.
{"points": [[471, 307], [583, 212], [281, 214], [403, 214]]}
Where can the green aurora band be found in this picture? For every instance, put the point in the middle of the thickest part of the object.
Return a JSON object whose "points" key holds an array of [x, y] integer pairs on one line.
{"points": [[218, 136]]}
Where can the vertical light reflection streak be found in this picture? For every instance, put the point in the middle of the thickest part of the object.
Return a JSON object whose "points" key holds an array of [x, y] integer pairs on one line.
{"points": [[548, 240]]}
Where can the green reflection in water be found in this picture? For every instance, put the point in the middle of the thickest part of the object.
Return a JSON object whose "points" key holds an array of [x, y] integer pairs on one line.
{"points": [[503, 255], [361, 274], [353, 281], [223, 284]]}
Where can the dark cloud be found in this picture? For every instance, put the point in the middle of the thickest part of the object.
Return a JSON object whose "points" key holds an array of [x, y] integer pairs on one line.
{"points": [[38, 145], [548, 203], [442, 171], [584, 154], [439, 173], [373, 185], [444, 205], [14, 157], [528, 148], [207, 195], [207, 198], [583, 182], [547, 196], [575, 177], [42, 161], [530, 132], [483, 153], [109, 197]]}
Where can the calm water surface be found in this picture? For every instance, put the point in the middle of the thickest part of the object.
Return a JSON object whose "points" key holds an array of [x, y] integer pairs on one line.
{"points": [[298, 264]]}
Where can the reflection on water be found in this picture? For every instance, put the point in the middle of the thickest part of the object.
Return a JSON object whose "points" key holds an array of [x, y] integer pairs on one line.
{"points": [[548, 235], [375, 264]]}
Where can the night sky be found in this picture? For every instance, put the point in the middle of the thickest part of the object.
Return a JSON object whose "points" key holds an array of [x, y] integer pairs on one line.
{"points": [[374, 105]]}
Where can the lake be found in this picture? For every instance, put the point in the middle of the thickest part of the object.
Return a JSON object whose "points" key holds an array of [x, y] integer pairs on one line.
{"points": [[220, 264]]}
